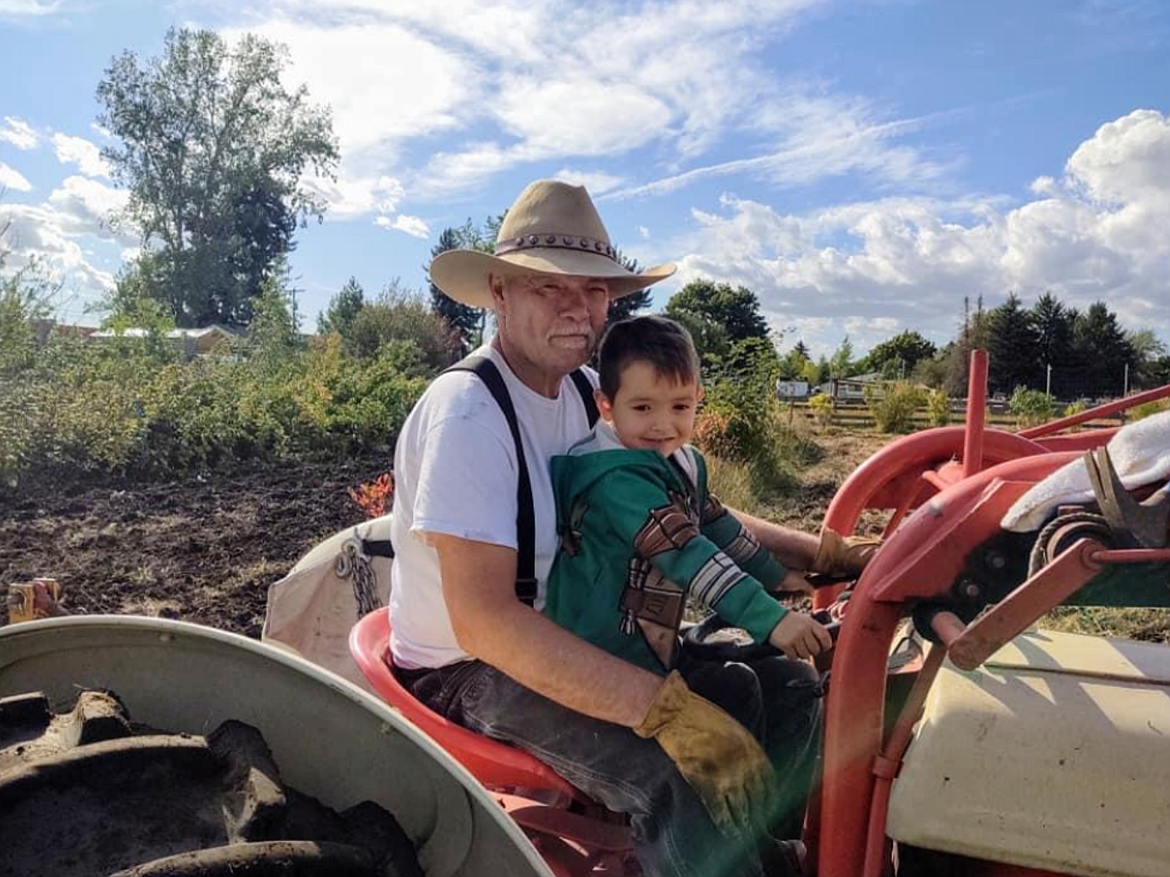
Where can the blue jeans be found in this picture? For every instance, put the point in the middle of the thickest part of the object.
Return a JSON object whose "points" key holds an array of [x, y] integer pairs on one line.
{"points": [[776, 699]]}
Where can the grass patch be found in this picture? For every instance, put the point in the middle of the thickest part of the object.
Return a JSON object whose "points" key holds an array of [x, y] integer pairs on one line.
{"points": [[1147, 625]]}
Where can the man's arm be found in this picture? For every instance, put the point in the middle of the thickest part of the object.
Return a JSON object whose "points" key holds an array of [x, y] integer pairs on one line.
{"points": [[792, 548], [492, 625]]}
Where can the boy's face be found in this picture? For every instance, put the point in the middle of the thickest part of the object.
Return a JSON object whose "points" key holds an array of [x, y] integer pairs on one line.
{"points": [[651, 411]]}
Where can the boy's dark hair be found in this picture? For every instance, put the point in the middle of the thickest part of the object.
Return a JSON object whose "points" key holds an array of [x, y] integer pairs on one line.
{"points": [[657, 340]]}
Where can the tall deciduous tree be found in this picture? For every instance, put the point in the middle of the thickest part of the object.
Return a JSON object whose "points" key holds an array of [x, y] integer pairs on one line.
{"points": [[900, 354], [717, 315], [213, 150]]}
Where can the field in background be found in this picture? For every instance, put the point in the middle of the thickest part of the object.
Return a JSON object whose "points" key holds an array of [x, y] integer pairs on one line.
{"points": [[206, 548]]}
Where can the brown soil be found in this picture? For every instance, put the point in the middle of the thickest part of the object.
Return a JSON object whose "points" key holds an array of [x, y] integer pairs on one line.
{"points": [[804, 508], [115, 796], [204, 549]]}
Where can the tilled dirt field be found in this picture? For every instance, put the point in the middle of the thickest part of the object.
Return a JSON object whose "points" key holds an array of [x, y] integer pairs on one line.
{"points": [[206, 549], [203, 549]]}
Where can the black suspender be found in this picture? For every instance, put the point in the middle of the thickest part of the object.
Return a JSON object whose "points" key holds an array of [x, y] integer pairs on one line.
{"points": [[487, 372]]}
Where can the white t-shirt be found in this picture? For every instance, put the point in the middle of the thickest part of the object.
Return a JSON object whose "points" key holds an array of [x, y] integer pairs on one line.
{"points": [[455, 473]]}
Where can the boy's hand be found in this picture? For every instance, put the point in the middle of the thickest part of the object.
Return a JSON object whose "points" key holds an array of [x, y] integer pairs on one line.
{"points": [[800, 636]]}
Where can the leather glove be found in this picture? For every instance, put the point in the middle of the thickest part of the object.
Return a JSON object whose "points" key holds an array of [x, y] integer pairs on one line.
{"points": [[843, 556], [716, 755]]}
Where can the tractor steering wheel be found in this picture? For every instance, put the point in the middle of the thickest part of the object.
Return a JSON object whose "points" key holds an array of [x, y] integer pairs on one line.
{"points": [[696, 644]]}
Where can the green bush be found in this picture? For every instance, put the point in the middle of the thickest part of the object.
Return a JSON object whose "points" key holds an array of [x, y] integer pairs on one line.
{"points": [[938, 408], [1031, 407], [1149, 408], [821, 406], [893, 410], [125, 404]]}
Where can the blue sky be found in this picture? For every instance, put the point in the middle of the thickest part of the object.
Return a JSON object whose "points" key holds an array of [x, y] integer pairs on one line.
{"points": [[862, 166]]}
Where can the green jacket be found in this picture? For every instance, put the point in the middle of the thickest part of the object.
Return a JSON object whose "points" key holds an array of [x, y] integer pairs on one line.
{"points": [[639, 533]]}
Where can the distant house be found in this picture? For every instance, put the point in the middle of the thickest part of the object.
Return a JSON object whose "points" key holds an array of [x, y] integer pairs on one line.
{"points": [[850, 389], [791, 389], [194, 342]]}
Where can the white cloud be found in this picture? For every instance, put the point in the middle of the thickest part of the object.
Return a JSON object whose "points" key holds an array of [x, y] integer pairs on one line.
{"points": [[643, 232], [351, 196], [30, 8], [85, 207], [411, 225], [519, 82], [79, 151], [18, 132], [39, 232], [872, 267], [10, 178], [384, 83], [596, 182], [568, 117]]}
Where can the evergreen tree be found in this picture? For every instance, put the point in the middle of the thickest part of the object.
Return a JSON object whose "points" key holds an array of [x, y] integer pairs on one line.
{"points": [[625, 307], [467, 321], [1011, 346], [1053, 325], [1102, 344], [343, 309]]}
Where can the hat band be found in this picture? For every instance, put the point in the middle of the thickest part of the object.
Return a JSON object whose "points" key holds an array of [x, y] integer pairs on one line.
{"points": [[557, 241]]}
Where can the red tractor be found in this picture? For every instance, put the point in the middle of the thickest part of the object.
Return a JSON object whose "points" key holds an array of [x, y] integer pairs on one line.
{"points": [[999, 750]]}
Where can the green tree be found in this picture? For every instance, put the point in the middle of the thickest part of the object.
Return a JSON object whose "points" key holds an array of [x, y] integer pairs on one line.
{"points": [[1149, 354], [841, 362], [213, 150], [1101, 346], [1011, 343], [467, 321], [343, 310], [272, 338], [403, 316], [625, 307], [723, 311], [904, 351], [1053, 325], [973, 335], [794, 363]]}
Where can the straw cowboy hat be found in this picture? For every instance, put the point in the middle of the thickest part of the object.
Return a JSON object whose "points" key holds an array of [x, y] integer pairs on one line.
{"points": [[553, 228]]}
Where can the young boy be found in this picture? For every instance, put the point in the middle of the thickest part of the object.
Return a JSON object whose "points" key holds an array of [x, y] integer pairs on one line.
{"points": [[639, 530]]}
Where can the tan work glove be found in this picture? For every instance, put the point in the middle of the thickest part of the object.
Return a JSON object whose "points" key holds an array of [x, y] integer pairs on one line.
{"points": [[716, 755], [843, 556]]}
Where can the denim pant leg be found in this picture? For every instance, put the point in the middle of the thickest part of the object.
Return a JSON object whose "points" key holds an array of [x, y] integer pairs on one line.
{"points": [[673, 835], [778, 700]]}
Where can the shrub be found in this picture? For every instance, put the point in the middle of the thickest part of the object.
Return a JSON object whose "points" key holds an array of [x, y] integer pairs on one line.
{"points": [[938, 408], [893, 410], [1074, 408], [1149, 408], [1031, 407], [821, 406], [402, 316]]}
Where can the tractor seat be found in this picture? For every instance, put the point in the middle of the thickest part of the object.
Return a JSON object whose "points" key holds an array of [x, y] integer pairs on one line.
{"points": [[497, 765]]}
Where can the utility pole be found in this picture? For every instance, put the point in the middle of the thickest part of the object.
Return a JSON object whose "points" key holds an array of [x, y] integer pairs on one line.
{"points": [[1048, 382], [1125, 386]]}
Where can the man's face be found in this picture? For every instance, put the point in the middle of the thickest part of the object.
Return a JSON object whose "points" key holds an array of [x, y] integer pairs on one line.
{"points": [[551, 322], [652, 411]]}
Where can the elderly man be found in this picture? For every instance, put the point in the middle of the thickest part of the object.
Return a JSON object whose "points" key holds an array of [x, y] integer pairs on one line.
{"points": [[468, 636]]}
